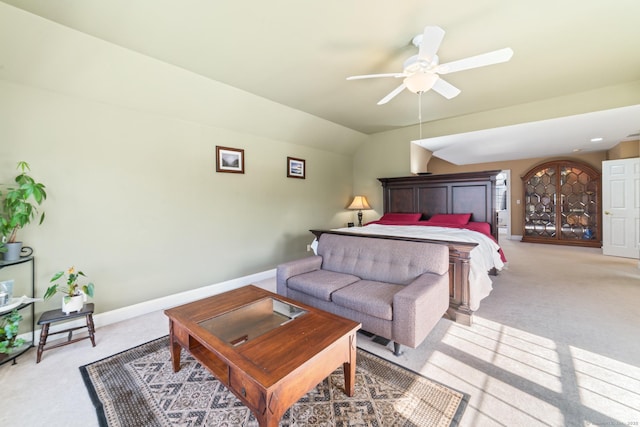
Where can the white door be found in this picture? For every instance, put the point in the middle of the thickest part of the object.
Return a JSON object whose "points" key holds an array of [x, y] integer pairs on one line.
{"points": [[621, 208]]}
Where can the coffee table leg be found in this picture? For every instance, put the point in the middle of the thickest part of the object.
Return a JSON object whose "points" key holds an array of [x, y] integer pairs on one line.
{"points": [[175, 348], [349, 368], [267, 421]]}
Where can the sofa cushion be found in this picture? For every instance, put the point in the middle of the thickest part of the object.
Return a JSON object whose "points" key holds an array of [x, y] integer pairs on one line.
{"points": [[367, 296], [320, 283], [390, 261]]}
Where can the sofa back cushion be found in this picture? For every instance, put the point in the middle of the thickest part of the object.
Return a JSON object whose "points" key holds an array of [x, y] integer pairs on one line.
{"points": [[384, 260]]}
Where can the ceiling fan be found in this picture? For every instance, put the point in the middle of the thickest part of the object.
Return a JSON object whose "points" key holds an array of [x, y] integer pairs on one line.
{"points": [[422, 72]]}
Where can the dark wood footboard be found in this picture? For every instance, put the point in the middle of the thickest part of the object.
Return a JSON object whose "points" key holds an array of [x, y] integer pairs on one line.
{"points": [[459, 258]]}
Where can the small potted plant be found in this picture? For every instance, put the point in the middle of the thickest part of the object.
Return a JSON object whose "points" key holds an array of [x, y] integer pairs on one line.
{"points": [[19, 207], [75, 294], [9, 324]]}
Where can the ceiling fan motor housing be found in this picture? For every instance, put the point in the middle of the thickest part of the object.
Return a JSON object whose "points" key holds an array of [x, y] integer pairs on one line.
{"points": [[415, 64]]}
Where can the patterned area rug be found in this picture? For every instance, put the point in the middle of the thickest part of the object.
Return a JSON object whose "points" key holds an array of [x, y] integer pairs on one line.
{"points": [[139, 388]]}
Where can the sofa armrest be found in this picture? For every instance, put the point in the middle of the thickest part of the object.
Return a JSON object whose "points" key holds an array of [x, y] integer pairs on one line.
{"points": [[418, 307], [294, 268]]}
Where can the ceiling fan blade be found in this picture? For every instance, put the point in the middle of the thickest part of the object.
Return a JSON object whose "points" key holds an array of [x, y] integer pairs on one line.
{"points": [[489, 58], [373, 76], [392, 94], [445, 89], [431, 40]]}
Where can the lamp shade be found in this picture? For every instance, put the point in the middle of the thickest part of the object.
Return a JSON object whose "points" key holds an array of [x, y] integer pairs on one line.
{"points": [[359, 202]]}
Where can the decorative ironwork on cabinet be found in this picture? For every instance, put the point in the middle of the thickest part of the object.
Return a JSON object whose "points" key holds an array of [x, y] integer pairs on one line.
{"points": [[562, 204]]}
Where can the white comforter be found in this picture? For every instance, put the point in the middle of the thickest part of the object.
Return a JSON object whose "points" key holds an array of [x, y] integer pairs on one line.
{"points": [[484, 257]]}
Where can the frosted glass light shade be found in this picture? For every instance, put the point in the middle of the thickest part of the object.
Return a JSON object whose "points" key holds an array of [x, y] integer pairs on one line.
{"points": [[420, 82]]}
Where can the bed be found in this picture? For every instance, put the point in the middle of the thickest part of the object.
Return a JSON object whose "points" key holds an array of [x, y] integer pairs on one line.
{"points": [[457, 210]]}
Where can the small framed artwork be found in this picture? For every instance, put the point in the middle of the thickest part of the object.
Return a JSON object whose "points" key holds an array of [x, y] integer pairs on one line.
{"points": [[295, 168], [229, 159]]}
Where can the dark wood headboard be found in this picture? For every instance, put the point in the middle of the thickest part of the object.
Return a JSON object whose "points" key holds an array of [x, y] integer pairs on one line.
{"points": [[473, 192]]}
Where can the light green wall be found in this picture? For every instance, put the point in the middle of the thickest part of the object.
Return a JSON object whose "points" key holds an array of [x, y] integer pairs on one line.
{"points": [[135, 202], [384, 154], [38, 53], [126, 147]]}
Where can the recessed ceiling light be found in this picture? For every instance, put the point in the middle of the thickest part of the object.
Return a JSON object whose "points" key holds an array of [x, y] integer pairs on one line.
{"points": [[575, 150], [596, 139]]}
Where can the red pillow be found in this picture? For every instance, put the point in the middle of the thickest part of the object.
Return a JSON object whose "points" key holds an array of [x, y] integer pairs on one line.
{"points": [[480, 227], [401, 217], [458, 219]]}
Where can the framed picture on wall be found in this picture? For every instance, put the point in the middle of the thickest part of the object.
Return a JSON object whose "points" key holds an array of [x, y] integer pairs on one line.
{"points": [[295, 168], [229, 159]]}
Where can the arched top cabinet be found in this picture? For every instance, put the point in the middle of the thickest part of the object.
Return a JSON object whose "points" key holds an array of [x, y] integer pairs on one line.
{"points": [[562, 204]]}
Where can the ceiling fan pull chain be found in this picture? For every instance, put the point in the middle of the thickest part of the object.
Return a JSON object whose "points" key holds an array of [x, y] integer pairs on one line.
{"points": [[420, 112]]}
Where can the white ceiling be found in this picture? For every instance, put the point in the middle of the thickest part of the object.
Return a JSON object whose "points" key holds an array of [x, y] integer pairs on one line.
{"points": [[587, 132], [298, 53]]}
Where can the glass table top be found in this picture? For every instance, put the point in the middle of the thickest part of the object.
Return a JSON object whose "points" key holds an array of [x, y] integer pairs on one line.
{"points": [[250, 321]]}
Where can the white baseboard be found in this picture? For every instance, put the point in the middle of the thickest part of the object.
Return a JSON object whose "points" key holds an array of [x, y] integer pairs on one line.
{"points": [[265, 279]]}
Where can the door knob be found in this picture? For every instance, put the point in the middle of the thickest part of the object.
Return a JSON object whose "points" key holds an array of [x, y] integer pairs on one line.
{"points": [[607, 213]]}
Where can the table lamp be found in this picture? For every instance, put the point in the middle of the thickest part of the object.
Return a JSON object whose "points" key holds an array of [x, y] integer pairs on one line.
{"points": [[359, 203]]}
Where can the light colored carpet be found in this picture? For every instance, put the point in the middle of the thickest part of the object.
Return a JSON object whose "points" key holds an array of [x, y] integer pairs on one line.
{"points": [[555, 344]]}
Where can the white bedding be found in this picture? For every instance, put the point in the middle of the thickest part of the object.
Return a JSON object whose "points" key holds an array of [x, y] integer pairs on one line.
{"points": [[484, 257]]}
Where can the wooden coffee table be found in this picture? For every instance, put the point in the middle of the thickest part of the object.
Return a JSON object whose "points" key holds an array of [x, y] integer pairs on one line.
{"points": [[267, 349]]}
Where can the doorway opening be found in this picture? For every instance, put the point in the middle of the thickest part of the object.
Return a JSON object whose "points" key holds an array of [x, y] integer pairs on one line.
{"points": [[503, 203]]}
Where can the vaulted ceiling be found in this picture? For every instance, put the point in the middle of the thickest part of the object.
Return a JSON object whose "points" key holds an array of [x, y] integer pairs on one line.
{"points": [[298, 53]]}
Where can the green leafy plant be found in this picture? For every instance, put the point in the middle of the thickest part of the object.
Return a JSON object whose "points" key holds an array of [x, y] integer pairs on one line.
{"points": [[9, 324], [20, 204], [71, 288]]}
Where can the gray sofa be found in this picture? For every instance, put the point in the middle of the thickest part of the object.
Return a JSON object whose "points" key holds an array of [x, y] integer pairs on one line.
{"points": [[396, 289]]}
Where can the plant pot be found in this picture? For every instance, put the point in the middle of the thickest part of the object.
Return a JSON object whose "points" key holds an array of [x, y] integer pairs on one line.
{"points": [[74, 303], [13, 251], [6, 292]]}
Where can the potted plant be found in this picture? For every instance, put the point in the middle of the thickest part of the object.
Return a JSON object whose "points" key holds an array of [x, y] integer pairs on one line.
{"points": [[19, 207], [9, 324], [75, 294]]}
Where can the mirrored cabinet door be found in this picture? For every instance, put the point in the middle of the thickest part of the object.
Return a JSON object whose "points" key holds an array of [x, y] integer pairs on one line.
{"points": [[561, 204]]}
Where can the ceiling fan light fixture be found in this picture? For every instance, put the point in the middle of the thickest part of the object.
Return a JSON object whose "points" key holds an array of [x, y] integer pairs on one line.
{"points": [[420, 82], [422, 72]]}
